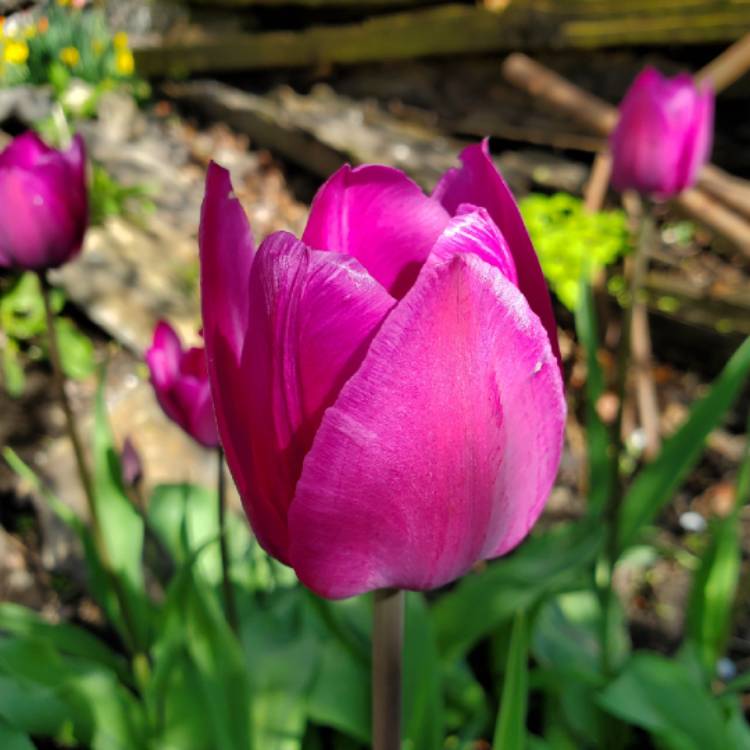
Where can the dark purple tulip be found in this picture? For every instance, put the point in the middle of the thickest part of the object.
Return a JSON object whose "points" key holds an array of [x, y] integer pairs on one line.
{"points": [[180, 380], [43, 203], [663, 136]]}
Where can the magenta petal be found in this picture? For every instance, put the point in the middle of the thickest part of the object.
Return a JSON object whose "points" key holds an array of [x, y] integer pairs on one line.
{"points": [[312, 316], [227, 249], [441, 450], [26, 151], [382, 218], [699, 140], [478, 182], [37, 229], [163, 357], [472, 230]]}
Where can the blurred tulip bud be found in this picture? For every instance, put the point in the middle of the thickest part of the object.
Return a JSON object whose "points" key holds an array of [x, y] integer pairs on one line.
{"points": [[43, 203], [663, 136], [180, 381], [130, 461]]}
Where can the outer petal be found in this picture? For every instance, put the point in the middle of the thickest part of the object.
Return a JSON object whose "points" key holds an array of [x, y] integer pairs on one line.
{"points": [[37, 229], [164, 355], [478, 182], [194, 410], [441, 449], [26, 151], [700, 138], [382, 218], [227, 249], [472, 230], [312, 316]]}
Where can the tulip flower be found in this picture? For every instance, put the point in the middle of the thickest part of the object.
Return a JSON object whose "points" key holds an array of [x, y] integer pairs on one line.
{"points": [[180, 381], [663, 136], [131, 465], [43, 203], [387, 388]]}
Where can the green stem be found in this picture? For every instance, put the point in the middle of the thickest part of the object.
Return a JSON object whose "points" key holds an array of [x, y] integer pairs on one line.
{"points": [[387, 667], [230, 604], [613, 508], [131, 632]]}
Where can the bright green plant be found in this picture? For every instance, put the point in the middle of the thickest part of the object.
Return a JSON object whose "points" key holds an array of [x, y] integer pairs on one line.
{"points": [[22, 329], [572, 243]]}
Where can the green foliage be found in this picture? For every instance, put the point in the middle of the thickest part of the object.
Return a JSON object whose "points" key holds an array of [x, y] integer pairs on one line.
{"points": [[571, 243], [510, 732], [23, 333], [108, 198]]}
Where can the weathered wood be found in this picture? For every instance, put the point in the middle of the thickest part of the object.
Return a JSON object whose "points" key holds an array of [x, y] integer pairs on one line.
{"points": [[455, 29], [322, 130], [315, 4]]}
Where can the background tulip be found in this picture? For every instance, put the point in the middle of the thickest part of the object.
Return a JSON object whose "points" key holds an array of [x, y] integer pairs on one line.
{"points": [[386, 389], [43, 203], [180, 381], [664, 134]]}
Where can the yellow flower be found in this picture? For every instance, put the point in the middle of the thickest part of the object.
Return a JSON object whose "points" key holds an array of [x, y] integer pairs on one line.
{"points": [[125, 63], [29, 32], [70, 55], [63, 3], [120, 41], [16, 52]]}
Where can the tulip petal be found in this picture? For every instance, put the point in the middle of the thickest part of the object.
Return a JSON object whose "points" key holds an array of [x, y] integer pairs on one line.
{"points": [[37, 229], [312, 316], [382, 218], [441, 450], [26, 151], [478, 182], [699, 139], [227, 249], [472, 230], [163, 357]]}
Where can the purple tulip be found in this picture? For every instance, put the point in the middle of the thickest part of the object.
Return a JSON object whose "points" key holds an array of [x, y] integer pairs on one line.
{"points": [[180, 381], [43, 203], [386, 389], [663, 136]]}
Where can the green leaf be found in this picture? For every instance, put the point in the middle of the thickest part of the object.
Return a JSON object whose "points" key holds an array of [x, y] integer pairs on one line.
{"points": [[22, 314], [662, 696], [657, 482], [554, 561], [185, 517], [68, 640], [422, 697], [597, 434], [76, 350], [13, 739], [467, 712], [510, 730], [14, 377], [121, 525], [199, 663]]}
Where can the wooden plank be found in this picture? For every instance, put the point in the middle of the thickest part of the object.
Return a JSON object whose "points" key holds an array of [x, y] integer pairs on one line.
{"points": [[453, 29]]}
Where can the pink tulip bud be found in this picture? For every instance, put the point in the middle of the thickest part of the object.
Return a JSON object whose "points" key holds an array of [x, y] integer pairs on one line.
{"points": [[387, 389], [180, 381], [130, 461], [43, 203], [664, 134]]}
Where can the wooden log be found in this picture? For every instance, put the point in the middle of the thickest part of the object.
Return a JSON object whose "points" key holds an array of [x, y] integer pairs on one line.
{"points": [[322, 130], [454, 29]]}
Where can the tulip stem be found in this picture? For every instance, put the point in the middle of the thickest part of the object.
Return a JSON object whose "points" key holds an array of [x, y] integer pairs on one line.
{"points": [[58, 374], [613, 510], [387, 659], [230, 604]]}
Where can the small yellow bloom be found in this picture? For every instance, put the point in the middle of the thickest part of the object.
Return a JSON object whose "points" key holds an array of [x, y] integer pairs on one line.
{"points": [[125, 63], [63, 3], [29, 32], [16, 52], [70, 56], [120, 41]]}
